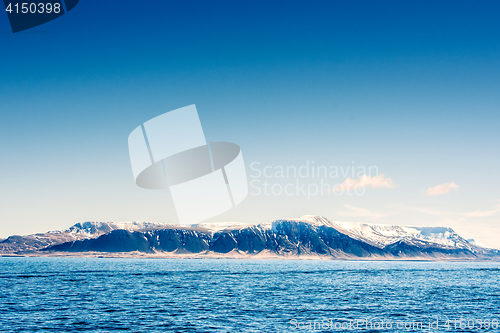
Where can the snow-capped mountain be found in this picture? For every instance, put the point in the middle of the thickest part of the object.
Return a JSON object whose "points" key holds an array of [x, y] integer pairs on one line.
{"points": [[92, 229], [381, 235], [306, 236], [77, 231]]}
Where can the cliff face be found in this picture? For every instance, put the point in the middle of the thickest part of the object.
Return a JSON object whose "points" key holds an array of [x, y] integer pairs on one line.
{"points": [[79, 231], [281, 238], [121, 240], [290, 238]]}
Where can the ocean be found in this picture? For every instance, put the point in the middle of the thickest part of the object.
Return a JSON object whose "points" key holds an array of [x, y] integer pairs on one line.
{"points": [[226, 295]]}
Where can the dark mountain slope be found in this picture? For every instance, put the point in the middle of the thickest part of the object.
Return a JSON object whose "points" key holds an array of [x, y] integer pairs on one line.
{"points": [[282, 238]]}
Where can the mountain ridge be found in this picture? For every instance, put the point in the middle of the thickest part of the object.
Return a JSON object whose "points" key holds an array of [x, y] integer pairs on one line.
{"points": [[307, 236]]}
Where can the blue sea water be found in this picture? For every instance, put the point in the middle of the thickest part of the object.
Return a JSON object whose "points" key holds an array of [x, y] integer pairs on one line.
{"points": [[163, 295]]}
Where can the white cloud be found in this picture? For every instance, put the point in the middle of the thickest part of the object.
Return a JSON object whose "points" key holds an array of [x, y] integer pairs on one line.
{"points": [[442, 189], [434, 212], [361, 212], [483, 213], [477, 213], [365, 181], [480, 213]]}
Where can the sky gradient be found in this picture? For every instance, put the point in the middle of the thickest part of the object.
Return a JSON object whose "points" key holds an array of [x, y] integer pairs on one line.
{"points": [[411, 87]]}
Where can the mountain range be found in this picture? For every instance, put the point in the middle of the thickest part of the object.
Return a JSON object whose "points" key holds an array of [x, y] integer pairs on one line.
{"points": [[307, 237]]}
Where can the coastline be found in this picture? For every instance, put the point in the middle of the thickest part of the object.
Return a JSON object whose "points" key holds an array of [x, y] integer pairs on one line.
{"points": [[236, 255]]}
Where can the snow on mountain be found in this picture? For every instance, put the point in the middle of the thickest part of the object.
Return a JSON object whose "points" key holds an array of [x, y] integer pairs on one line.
{"points": [[217, 226], [307, 234], [378, 235], [76, 232], [92, 229], [381, 235]]}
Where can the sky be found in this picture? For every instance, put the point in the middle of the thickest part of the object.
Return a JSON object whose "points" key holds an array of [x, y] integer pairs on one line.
{"points": [[410, 87]]}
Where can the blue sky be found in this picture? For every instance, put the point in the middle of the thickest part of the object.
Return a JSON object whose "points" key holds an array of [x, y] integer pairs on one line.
{"points": [[409, 86]]}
